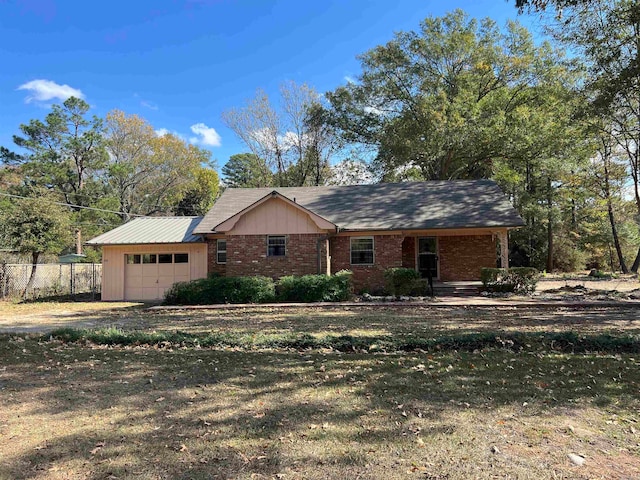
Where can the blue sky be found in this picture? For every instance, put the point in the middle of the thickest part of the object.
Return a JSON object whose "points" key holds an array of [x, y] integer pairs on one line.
{"points": [[181, 63]]}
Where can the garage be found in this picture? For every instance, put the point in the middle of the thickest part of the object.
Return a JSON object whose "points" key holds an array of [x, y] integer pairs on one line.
{"points": [[143, 258], [147, 276]]}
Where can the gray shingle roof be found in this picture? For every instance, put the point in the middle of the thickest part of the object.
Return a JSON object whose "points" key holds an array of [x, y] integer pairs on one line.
{"points": [[151, 230], [385, 206]]}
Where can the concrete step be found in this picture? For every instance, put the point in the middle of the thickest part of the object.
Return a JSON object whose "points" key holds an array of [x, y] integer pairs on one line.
{"points": [[457, 289], [455, 292]]}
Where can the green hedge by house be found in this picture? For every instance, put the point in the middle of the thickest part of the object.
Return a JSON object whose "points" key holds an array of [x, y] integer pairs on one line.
{"points": [[217, 290], [314, 288], [401, 281], [515, 279]]}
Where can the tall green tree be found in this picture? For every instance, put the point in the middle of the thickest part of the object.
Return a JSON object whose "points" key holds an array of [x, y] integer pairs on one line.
{"points": [[146, 173], [201, 194], [36, 226], [605, 34], [441, 100], [246, 170], [64, 152]]}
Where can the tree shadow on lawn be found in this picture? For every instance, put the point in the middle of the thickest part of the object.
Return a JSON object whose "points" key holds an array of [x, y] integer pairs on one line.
{"points": [[392, 321], [344, 320], [189, 413]]}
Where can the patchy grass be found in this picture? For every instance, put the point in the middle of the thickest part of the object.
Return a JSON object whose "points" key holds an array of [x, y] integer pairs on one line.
{"points": [[570, 342], [356, 321], [86, 411]]}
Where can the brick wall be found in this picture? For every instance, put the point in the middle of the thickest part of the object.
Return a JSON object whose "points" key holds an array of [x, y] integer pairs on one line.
{"points": [[247, 256], [387, 254], [409, 252], [212, 265], [461, 258]]}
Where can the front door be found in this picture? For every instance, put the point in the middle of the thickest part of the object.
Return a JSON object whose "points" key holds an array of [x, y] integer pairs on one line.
{"points": [[427, 257]]}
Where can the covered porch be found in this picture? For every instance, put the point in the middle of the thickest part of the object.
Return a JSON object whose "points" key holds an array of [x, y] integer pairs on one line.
{"points": [[454, 256]]}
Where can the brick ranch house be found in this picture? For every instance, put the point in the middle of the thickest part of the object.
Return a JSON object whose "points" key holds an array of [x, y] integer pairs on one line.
{"points": [[450, 229]]}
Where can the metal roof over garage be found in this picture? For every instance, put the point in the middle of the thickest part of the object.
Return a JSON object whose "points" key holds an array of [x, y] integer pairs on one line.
{"points": [[149, 230]]}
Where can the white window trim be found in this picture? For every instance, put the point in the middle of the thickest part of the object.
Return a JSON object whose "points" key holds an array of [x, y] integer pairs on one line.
{"points": [[373, 249], [285, 246], [218, 250]]}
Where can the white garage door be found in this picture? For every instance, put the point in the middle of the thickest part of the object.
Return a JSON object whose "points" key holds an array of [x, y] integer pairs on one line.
{"points": [[147, 276]]}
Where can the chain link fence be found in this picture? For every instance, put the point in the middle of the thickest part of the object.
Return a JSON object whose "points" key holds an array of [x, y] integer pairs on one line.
{"points": [[50, 280]]}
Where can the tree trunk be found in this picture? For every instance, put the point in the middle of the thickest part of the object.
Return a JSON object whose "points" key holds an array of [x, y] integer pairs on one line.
{"points": [[549, 227], [616, 240], [636, 262], [612, 220], [34, 266]]}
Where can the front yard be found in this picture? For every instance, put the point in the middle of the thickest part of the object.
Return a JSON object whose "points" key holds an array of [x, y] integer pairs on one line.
{"points": [[84, 410]]}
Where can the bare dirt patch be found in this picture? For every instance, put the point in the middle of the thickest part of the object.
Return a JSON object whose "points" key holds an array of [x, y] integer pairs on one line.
{"points": [[45, 316]]}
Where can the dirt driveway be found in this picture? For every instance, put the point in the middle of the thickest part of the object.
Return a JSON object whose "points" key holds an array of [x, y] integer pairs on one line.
{"points": [[40, 317]]}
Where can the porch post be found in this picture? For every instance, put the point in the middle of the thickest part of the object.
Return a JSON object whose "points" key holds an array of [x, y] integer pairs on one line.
{"points": [[503, 236], [328, 255]]}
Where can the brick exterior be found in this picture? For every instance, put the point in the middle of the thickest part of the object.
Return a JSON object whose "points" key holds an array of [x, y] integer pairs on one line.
{"points": [[461, 258], [247, 256], [387, 254], [409, 252], [212, 255]]}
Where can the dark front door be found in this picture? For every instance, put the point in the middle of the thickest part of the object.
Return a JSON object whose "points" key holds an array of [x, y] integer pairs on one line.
{"points": [[427, 257]]}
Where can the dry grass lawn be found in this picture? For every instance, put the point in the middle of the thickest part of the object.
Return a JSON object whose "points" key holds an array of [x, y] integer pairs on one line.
{"points": [[83, 411]]}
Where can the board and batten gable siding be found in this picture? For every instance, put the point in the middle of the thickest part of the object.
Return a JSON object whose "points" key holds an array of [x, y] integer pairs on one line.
{"points": [[113, 263], [274, 217]]}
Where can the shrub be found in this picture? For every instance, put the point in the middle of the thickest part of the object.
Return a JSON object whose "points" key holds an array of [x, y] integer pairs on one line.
{"points": [[516, 279], [217, 289], [567, 256], [401, 281], [599, 274], [315, 288]]}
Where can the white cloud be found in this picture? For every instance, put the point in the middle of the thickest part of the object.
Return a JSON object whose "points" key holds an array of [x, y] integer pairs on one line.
{"points": [[161, 132], [206, 135], [45, 90], [349, 79], [149, 105]]}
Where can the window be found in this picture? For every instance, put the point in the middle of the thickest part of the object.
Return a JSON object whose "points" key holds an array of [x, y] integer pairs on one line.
{"points": [[276, 246], [222, 250], [361, 250], [132, 259], [149, 258], [165, 258], [181, 258]]}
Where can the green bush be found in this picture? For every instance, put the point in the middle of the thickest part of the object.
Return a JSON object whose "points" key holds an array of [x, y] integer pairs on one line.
{"points": [[599, 274], [516, 279], [217, 289], [401, 281], [315, 288]]}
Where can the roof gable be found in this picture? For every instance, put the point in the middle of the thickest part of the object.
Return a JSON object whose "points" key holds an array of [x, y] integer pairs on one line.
{"points": [[274, 213]]}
